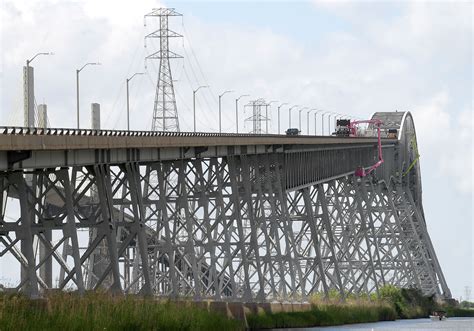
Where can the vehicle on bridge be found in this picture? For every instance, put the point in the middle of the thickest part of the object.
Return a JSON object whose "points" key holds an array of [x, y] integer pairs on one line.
{"points": [[342, 128], [292, 132]]}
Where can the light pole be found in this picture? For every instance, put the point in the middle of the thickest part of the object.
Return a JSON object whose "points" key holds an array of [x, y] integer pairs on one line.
{"points": [[289, 114], [128, 99], [329, 121], [37, 54], [77, 86], [194, 105], [29, 119], [307, 120], [220, 111], [299, 117], [315, 119], [279, 115], [266, 114], [322, 122], [237, 110]]}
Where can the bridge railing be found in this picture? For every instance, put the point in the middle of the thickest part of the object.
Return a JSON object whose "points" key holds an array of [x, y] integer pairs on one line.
{"points": [[16, 130], [27, 131]]}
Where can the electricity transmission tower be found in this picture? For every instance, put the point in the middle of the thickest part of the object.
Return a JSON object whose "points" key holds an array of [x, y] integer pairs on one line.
{"points": [[165, 113], [258, 108]]}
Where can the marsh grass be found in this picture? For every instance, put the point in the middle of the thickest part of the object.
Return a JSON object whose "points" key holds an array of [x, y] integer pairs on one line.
{"points": [[99, 311], [326, 312]]}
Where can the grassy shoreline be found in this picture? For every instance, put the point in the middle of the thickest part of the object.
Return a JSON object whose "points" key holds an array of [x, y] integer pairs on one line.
{"points": [[324, 315], [100, 311], [391, 304]]}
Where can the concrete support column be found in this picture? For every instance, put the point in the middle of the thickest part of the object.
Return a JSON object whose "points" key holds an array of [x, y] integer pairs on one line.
{"points": [[43, 116], [95, 116], [28, 97]]}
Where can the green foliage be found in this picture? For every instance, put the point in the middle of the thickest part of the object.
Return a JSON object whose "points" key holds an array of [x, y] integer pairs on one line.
{"points": [[326, 314], [459, 312], [98, 311], [408, 302], [467, 304]]}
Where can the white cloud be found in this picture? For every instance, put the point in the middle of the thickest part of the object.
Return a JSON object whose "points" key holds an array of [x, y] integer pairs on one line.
{"points": [[447, 137]]}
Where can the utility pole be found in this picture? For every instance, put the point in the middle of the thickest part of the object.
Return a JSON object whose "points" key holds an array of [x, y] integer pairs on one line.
{"points": [[237, 111], [194, 105], [165, 112], [77, 88], [289, 114], [29, 92], [266, 115], [128, 99], [220, 110], [286, 103]]}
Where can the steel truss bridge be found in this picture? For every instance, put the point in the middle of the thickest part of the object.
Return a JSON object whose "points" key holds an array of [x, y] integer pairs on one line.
{"points": [[247, 218]]}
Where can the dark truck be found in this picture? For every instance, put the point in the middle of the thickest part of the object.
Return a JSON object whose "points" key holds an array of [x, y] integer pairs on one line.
{"points": [[342, 128], [292, 132]]}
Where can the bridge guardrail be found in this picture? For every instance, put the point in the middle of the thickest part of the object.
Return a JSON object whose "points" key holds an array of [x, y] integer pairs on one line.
{"points": [[26, 131]]}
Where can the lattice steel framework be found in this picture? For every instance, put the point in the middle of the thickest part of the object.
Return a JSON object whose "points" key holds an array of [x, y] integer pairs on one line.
{"points": [[165, 112], [237, 227], [258, 108]]}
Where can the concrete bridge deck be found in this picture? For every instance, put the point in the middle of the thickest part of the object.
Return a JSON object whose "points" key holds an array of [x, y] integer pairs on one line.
{"points": [[17, 138]]}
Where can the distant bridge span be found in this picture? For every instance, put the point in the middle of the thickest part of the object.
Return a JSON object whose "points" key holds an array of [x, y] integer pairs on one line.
{"points": [[221, 216]]}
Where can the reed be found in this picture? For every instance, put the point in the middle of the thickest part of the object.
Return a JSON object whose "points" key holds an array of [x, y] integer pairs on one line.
{"points": [[99, 311]]}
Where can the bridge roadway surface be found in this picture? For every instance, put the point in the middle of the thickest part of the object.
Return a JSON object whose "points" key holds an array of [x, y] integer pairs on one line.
{"points": [[15, 138], [34, 148]]}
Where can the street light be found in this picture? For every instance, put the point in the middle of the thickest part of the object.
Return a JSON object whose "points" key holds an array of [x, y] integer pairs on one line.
{"points": [[307, 120], [128, 99], [194, 105], [266, 114], [299, 117], [289, 114], [237, 110], [37, 54], [329, 121], [220, 111], [77, 86], [322, 122], [29, 120], [315, 119], [279, 115]]}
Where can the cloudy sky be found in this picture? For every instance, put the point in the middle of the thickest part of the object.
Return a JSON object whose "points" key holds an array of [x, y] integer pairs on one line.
{"points": [[354, 58]]}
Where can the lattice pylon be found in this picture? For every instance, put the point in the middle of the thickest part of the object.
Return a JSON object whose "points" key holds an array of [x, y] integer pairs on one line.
{"points": [[165, 112]]}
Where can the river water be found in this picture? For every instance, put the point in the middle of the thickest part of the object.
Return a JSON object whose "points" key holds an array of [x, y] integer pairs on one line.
{"points": [[454, 324]]}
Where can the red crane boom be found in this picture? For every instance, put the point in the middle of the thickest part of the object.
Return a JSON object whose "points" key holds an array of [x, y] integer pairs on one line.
{"points": [[360, 171]]}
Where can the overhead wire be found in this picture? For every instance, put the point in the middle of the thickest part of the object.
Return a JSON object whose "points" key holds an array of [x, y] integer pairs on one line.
{"points": [[211, 91], [120, 91]]}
